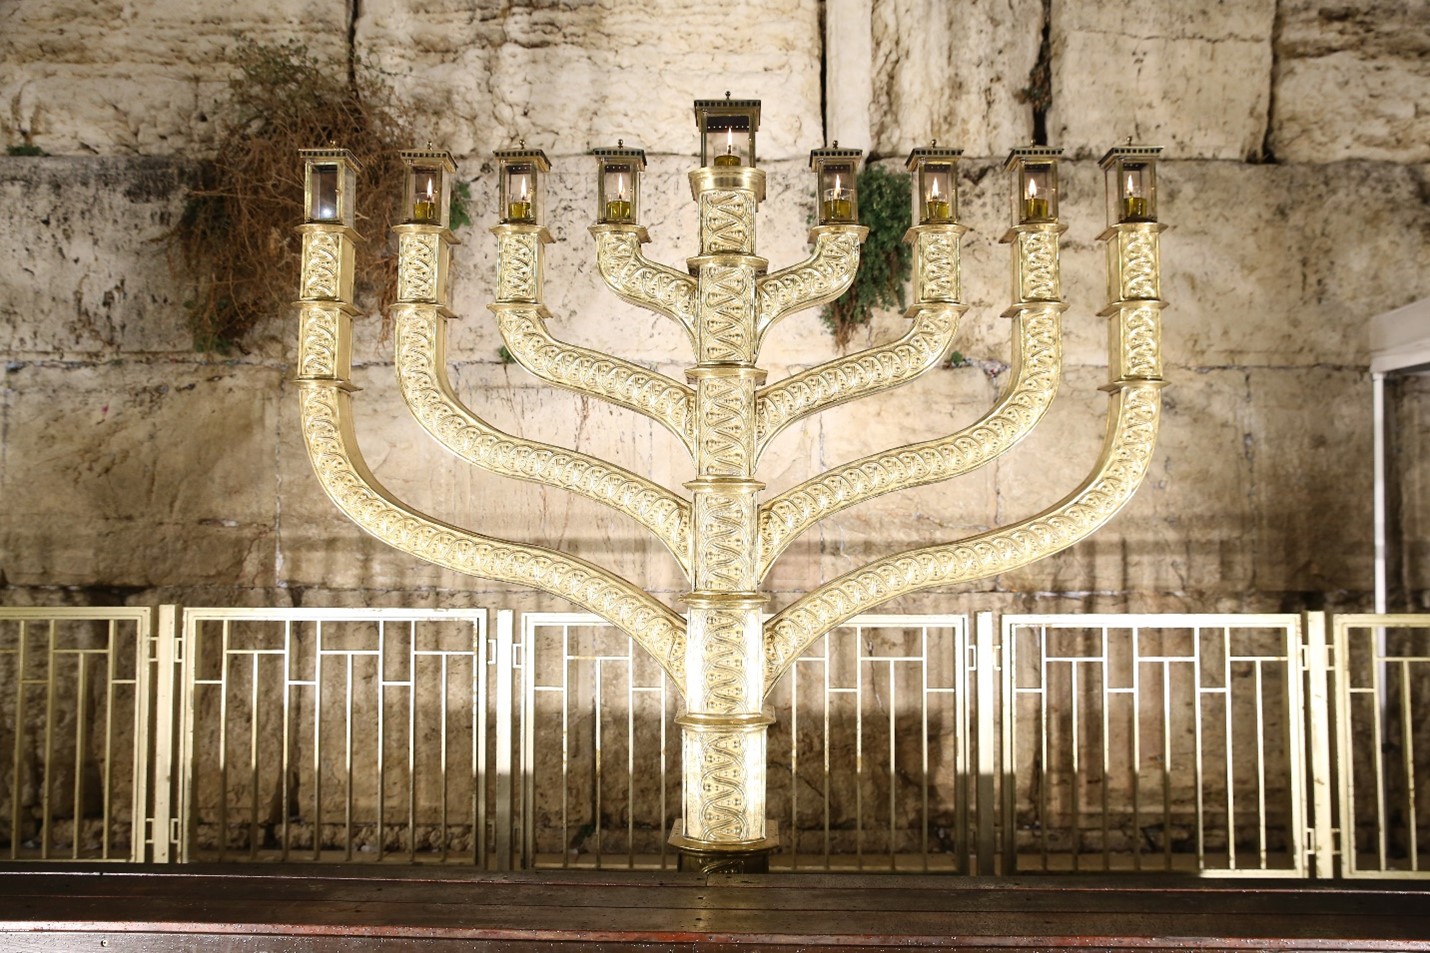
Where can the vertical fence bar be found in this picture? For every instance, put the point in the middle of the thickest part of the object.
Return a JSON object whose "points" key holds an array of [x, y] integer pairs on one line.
{"points": [[166, 653], [1318, 727], [505, 673], [986, 657]]}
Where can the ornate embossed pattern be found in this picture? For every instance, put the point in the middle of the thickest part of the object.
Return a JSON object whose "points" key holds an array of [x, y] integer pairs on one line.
{"points": [[318, 341], [1124, 462], [590, 372], [322, 265], [821, 278], [857, 375], [643, 282], [727, 446], [720, 803], [1141, 341], [417, 266], [938, 276], [327, 422], [727, 222], [724, 332], [1038, 266], [1036, 367], [421, 370], [518, 278], [1139, 263], [726, 539]]}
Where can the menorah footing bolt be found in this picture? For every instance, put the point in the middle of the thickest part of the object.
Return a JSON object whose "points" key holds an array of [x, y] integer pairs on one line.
{"points": [[722, 654]]}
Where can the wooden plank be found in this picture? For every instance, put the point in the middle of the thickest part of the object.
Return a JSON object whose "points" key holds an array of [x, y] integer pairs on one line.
{"points": [[384, 909]]}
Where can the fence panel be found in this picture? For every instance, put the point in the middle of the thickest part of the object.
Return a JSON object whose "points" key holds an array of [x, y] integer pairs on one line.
{"points": [[868, 755], [335, 735], [1154, 742], [1382, 678], [74, 738]]}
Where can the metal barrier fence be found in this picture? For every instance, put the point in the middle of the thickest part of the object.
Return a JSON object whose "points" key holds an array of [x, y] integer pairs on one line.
{"points": [[334, 735], [868, 755], [1214, 744], [1170, 742], [1383, 744], [74, 751]]}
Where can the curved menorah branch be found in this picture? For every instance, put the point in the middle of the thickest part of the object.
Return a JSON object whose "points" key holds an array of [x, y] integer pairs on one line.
{"points": [[858, 375], [823, 276], [1126, 454], [345, 477], [422, 372], [642, 282], [592, 373], [1034, 373]]}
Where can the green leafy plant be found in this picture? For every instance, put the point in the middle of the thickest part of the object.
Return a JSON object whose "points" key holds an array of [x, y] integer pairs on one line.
{"points": [[886, 261], [461, 205], [505, 356], [25, 149], [236, 238]]}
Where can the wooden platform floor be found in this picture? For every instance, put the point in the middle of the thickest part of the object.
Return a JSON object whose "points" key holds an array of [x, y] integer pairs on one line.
{"points": [[326, 909]]}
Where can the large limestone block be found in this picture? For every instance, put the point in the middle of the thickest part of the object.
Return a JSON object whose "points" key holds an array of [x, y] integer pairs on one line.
{"points": [[1284, 265], [86, 271], [569, 76], [117, 77], [138, 474], [1352, 81], [1195, 77], [956, 72], [1310, 442]]}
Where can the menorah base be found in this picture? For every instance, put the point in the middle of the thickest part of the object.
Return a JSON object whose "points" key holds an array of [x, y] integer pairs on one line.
{"points": [[748, 857]]}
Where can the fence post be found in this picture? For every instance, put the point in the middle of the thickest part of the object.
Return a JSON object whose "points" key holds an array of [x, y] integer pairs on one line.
{"points": [[504, 731], [161, 824], [986, 659], [1318, 727]]}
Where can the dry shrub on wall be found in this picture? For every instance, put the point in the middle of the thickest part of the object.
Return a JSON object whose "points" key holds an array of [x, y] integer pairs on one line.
{"points": [[236, 238]]}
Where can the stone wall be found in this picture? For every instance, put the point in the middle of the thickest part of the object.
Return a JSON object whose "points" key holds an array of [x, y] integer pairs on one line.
{"points": [[134, 465]]}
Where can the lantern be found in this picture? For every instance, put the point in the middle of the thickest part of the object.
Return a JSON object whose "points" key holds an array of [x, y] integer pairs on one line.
{"points": [[935, 185], [1035, 184], [727, 131], [836, 192], [618, 184], [1131, 173], [521, 171], [427, 196], [330, 185]]}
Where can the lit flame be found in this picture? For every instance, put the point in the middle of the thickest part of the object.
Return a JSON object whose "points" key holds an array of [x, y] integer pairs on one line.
{"points": [[1131, 186], [523, 188], [429, 190], [933, 195], [1032, 188], [621, 187]]}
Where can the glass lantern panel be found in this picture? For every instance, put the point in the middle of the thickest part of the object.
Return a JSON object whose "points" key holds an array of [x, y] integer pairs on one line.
{"points": [[1136, 192], [324, 194], [1037, 197], [618, 193], [519, 197], [936, 202], [727, 141], [426, 196], [837, 192]]}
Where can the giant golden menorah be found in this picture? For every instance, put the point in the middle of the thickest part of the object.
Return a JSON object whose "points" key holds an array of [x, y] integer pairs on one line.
{"points": [[723, 655]]}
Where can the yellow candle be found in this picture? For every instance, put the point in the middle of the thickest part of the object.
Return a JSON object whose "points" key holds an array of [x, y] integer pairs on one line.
{"points": [[1035, 209], [1134, 207], [618, 210], [937, 208], [518, 211], [425, 211], [838, 207], [728, 158]]}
